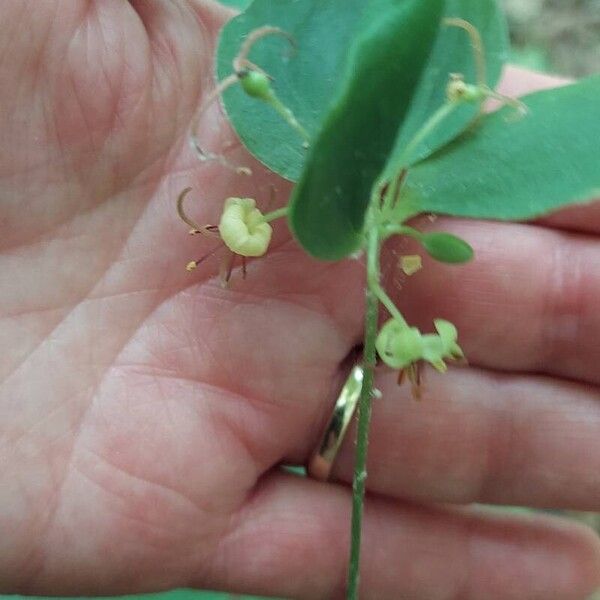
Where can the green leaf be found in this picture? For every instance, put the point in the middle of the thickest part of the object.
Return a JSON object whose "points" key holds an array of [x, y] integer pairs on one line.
{"points": [[305, 77], [399, 72], [239, 4], [452, 53], [308, 79], [446, 247], [360, 89], [328, 205], [510, 167]]}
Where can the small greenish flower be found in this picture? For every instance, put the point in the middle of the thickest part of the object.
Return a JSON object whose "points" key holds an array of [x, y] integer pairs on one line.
{"points": [[243, 228], [405, 348], [399, 345], [441, 346], [243, 232], [256, 84]]}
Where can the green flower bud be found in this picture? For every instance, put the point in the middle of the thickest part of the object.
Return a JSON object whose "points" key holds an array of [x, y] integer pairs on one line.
{"points": [[256, 85], [459, 91], [243, 228]]}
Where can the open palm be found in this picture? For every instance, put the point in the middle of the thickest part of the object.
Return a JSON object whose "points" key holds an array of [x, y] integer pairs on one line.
{"points": [[143, 408]]}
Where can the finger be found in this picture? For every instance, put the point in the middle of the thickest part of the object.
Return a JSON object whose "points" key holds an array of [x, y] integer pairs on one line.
{"points": [[292, 540], [477, 436], [275, 337], [527, 302], [517, 81], [271, 344], [584, 218]]}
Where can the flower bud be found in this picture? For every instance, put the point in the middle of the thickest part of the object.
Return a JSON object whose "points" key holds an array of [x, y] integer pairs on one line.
{"points": [[256, 85], [460, 91]]}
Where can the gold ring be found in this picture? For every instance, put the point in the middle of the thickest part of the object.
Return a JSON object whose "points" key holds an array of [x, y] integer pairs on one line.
{"points": [[321, 461]]}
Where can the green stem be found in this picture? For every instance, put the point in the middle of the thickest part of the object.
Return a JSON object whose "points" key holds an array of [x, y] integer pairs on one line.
{"points": [[288, 116], [436, 118], [374, 295], [388, 303], [364, 407], [390, 228], [276, 214]]}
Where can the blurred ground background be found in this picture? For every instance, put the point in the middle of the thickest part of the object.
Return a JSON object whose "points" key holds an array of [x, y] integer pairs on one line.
{"points": [[560, 36], [557, 36]]}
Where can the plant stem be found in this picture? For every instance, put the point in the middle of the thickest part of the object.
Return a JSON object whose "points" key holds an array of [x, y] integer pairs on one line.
{"points": [[388, 303], [276, 214], [364, 406], [374, 295], [436, 118], [289, 117]]}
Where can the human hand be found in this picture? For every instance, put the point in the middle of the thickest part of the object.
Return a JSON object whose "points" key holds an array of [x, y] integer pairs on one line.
{"points": [[144, 409]]}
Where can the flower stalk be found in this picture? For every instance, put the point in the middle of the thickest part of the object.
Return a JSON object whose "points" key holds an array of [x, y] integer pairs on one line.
{"points": [[364, 406]]}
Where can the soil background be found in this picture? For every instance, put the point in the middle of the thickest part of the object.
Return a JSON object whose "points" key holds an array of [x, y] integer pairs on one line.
{"points": [[558, 36]]}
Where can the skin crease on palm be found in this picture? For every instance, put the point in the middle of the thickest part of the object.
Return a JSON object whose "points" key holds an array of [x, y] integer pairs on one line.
{"points": [[144, 409]]}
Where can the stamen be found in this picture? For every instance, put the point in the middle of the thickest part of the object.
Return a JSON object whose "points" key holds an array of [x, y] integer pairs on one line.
{"points": [[476, 44], [383, 190], [202, 154], [183, 216], [226, 268], [249, 65], [195, 228], [223, 85], [206, 156], [515, 103], [194, 263], [414, 376], [401, 376], [480, 68], [398, 186], [241, 60]]}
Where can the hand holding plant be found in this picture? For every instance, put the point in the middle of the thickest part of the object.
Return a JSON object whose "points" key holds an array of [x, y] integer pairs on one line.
{"points": [[144, 409]]}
